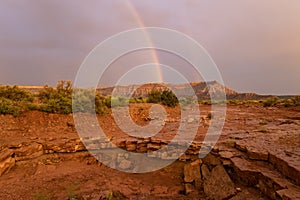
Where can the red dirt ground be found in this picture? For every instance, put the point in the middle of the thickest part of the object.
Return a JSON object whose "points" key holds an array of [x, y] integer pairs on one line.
{"points": [[70, 176]]}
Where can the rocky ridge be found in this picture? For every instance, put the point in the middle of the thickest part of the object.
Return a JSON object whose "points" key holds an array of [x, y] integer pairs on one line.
{"points": [[218, 174], [201, 89]]}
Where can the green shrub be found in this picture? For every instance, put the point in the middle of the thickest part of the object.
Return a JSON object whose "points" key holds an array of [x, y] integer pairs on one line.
{"points": [[234, 102], [271, 101], [83, 100], [187, 100], [14, 93], [138, 100], [62, 105], [86, 100], [14, 100], [118, 101], [205, 102], [154, 96], [57, 100], [31, 106], [101, 104], [288, 102], [8, 106], [296, 100], [168, 98]]}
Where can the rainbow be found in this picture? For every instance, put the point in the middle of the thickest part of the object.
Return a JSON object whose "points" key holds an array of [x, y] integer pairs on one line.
{"points": [[140, 22]]}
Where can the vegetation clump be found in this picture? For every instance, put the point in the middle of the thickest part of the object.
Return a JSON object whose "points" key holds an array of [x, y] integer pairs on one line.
{"points": [[287, 102], [57, 100], [64, 100], [165, 97], [14, 100], [271, 101]]}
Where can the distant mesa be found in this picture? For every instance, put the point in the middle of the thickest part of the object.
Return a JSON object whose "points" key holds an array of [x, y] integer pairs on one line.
{"points": [[202, 90]]}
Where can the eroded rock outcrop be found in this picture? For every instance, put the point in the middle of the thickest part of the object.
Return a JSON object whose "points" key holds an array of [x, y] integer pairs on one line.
{"points": [[215, 183], [7, 160], [217, 174]]}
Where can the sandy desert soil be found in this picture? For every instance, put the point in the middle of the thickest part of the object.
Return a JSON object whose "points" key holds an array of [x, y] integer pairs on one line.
{"points": [[80, 176]]}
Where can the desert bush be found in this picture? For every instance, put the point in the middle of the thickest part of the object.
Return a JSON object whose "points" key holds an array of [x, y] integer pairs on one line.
{"points": [[296, 100], [59, 99], [87, 100], [8, 106], [187, 100], [234, 102], [115, 101], [288, 102], [62, 105], [83, 100], [138, 100], [101, 104], [271, 101], [154, 96], [56, 100], [14, 93], [205, 102], [212, 102], [14, 100], [118, 101], [166, 97]]}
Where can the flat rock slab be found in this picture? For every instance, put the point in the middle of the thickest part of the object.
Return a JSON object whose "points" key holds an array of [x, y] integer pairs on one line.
{"points": [[217, 184]]}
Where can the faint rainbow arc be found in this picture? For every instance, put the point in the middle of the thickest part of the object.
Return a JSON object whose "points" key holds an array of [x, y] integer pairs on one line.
{"points": [[148, 38]]}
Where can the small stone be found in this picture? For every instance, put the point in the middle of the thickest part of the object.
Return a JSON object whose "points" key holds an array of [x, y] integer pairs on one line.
{"points": [[190, 120], [125, 164], [131, 147], [226, 154], [126, 155], [151, 146]]}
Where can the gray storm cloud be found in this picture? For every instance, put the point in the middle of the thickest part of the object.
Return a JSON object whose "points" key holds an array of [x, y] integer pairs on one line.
{"points": [[256, 44]]}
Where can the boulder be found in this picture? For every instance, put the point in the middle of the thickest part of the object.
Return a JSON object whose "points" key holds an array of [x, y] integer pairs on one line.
{"points": [[192, 174], [217, 184], [7, 161]]}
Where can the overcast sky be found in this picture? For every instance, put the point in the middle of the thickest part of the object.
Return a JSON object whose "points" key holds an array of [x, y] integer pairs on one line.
{"points": [[255, 44]]}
